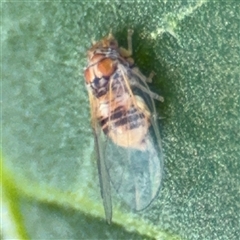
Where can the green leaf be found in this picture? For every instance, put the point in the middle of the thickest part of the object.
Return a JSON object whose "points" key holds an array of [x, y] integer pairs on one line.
{"points": [[49, 176]]}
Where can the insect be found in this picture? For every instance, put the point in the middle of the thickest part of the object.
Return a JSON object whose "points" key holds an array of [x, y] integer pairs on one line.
{"points": [[124, 122]]}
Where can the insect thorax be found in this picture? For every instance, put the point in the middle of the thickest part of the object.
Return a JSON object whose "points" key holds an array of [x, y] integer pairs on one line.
{"points": [[103, 71]]}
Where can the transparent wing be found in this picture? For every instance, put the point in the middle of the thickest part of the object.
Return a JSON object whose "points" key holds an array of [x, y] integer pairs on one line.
{"points": [[136, 174], [102, 170], [103, 177]]}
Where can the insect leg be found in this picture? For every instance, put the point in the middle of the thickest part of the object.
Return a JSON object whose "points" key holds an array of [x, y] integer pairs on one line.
{"points": [[129, 38], [142, 77], [150, 77], [150, 93], [134, 83], [127, 53]]}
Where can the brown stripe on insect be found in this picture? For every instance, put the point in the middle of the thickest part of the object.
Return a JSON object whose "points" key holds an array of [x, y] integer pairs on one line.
{"points": [[98, 74], [120, 118]]}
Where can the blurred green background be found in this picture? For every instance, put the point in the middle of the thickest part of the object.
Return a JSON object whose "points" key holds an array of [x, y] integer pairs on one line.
{"points": [[50, 185]]}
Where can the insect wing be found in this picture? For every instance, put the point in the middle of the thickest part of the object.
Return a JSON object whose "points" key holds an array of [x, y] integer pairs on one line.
{"points": [[102, 170], [103, 174], [136, 174]]}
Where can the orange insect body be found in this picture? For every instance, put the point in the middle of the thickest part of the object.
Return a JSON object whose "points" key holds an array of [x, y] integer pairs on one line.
{"points": [[133, 163], [106, 81]]}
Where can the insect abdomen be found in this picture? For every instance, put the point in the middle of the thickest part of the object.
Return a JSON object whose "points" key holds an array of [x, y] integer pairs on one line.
{"points": [[126, 127]]}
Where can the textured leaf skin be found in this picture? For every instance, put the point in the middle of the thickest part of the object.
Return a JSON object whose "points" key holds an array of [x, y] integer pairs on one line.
{"points": [[192, 46]]}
